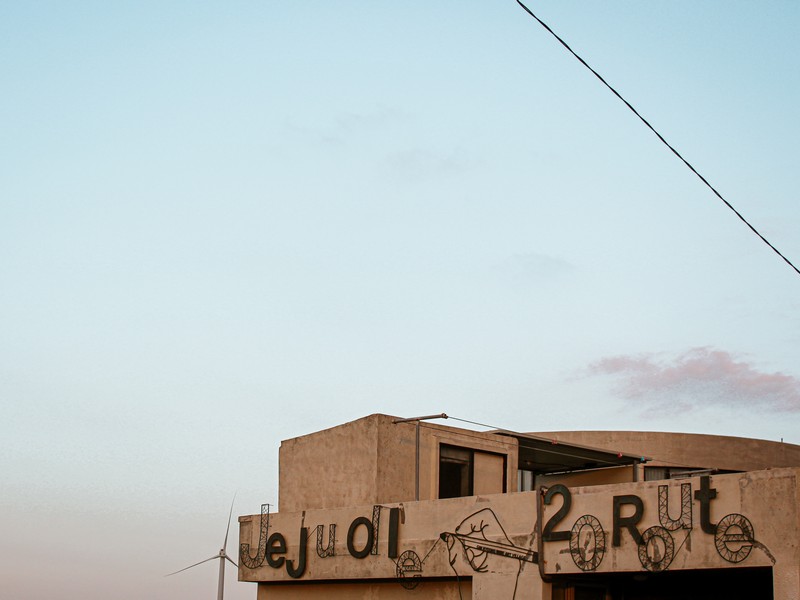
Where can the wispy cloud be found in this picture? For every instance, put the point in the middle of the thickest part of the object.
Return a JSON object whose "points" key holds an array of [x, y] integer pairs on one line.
{"points": [[345, 125], [351, 122], [418, 164], [699, 378], [522, 271]]}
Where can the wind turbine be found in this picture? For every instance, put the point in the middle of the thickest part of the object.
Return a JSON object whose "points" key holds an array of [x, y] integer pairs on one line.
{"points": [[222, 556]]}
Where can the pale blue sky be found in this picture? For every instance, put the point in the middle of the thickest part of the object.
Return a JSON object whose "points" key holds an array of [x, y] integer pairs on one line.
{"points": [[223, 225]]}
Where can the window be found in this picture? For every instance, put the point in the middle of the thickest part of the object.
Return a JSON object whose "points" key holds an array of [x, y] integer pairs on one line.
{"points": [[455, 471], [467, 472], [656, 473], [526, 480]]}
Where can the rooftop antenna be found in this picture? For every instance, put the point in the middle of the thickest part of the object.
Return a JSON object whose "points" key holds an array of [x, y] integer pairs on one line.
{"points": [[222, 556]]}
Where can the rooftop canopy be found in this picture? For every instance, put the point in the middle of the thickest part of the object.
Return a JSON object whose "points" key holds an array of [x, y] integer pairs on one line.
{"points": [[544, 455]]}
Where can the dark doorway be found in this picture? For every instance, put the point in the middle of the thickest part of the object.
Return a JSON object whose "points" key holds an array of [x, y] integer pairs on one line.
{"points": [[730, 584]]}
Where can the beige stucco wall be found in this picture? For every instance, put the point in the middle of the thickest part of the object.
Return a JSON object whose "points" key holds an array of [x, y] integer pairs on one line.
{"points": [[372, 461], [429, 590], [786, 578], [591, 477], [490, 538], [505, 519], [330, 468], [767, 499]]}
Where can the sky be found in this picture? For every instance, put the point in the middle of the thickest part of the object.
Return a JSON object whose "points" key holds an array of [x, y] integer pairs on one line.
{"points": [[226, 224]]}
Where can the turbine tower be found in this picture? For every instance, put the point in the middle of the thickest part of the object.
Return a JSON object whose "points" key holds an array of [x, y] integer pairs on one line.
{"points": [[222, 556]]}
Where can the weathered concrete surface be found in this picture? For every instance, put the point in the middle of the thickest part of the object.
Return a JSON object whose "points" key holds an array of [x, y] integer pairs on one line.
{"points": [[372, 461], [491, 538], [345, 484], [766, 500], [429, 590], [446, 538], [592, 477], [786, 579]]}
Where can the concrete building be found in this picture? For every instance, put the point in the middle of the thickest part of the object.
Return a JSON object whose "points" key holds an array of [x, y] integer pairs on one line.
{"points": [[388, 508]]}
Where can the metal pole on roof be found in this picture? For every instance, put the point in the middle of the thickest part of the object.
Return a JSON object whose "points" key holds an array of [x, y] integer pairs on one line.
{"points": [[416, 465], [416, 420]]}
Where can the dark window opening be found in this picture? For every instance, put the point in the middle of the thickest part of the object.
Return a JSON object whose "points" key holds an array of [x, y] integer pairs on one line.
{"points": [[455, 471], [657, 473]]}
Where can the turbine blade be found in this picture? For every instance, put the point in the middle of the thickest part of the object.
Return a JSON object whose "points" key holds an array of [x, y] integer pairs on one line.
{"points": [[230, 514], [228, 558], [194, 565]]}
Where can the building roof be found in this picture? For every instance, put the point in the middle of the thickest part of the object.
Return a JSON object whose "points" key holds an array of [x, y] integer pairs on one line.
{"points": [[701, 451], [543, 454]]}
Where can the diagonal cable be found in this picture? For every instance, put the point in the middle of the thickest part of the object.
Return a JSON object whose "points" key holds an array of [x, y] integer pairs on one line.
{"points": [[660, 137]]}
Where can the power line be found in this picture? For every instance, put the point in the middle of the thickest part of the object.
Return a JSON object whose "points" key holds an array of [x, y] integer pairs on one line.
{"points": [[660, 137]]}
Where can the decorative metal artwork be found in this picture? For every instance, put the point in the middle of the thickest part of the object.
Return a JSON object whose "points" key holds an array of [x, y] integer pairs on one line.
{"points": [[685, 519], [473, 533], [253, 562], [657, 549], [587, 543], [734, 537], [328, 550], [409, 562], [376, 522], [480, 536]]}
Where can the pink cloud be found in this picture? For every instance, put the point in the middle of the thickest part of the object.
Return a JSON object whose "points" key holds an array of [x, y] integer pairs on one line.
{"points": [[700, 377]]}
